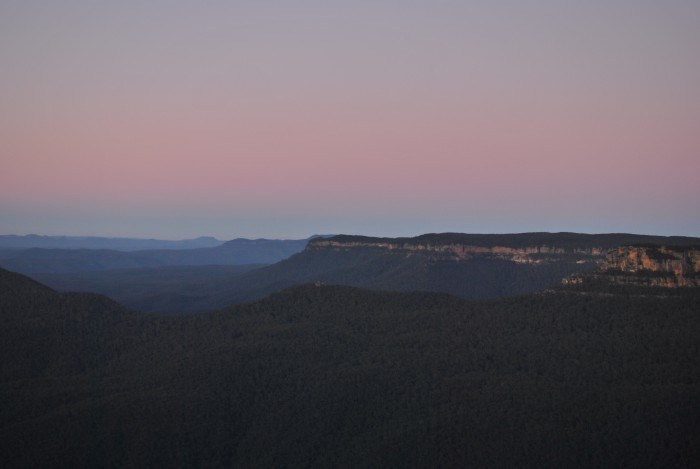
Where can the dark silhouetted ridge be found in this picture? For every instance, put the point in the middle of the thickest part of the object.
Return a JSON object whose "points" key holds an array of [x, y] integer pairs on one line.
{"points": [[565, 240]]}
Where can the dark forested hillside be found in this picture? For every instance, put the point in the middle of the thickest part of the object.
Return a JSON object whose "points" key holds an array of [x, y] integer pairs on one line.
{"points": [[338, 376], [385, 270]]}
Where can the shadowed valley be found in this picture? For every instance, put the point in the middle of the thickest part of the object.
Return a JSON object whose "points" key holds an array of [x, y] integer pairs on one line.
{"points": [[466, 265]]}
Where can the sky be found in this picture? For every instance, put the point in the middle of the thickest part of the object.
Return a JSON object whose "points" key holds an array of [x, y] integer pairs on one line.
{"points": [[279, 119]]}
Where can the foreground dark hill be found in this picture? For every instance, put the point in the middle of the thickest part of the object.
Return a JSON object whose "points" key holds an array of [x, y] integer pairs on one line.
{"points": [[51, 334], [338, 376], [235, 252]]}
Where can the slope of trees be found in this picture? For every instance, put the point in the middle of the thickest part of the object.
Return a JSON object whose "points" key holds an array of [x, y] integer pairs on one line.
{"points": [[338, 376]]}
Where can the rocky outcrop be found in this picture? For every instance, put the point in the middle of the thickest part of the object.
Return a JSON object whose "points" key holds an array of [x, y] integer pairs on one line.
{"points": [[668, 266], [678, 261], [647, 265]]}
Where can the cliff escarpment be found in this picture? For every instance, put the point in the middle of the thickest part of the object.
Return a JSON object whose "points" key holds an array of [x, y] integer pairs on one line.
{"points": [[455, 251], [521, 248]]}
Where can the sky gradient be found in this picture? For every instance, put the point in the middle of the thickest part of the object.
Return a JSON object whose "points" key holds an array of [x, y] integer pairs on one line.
{"points": [[178, 119]]}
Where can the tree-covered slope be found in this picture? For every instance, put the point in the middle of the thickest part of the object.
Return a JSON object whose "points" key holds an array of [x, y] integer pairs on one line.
{"points": [[338, 376], [385, 270]]}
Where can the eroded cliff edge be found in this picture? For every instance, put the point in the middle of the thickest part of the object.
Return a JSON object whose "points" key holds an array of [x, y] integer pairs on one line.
{"points": [[535, 254], [521, 248]]}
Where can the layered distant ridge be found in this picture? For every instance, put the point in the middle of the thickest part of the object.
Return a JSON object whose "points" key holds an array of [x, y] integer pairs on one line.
{"points": [[472, 266]]}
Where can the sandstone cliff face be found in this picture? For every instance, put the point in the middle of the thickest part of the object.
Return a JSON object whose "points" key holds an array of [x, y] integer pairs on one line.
{"points": [[657, 265], [660, 266], [462, 252], [676, 261]]}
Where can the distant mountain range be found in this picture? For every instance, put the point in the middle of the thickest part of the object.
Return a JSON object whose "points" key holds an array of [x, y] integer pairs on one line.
{"points": [[239, 251], [465, 265], [330, 376], [97, 242]]}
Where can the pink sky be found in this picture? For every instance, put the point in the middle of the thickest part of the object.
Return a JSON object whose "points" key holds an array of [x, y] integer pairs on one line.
{"points": [[176, 120]]}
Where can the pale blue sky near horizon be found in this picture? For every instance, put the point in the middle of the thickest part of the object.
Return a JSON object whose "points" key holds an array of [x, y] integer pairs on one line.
{"points": [[176, 119]]}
